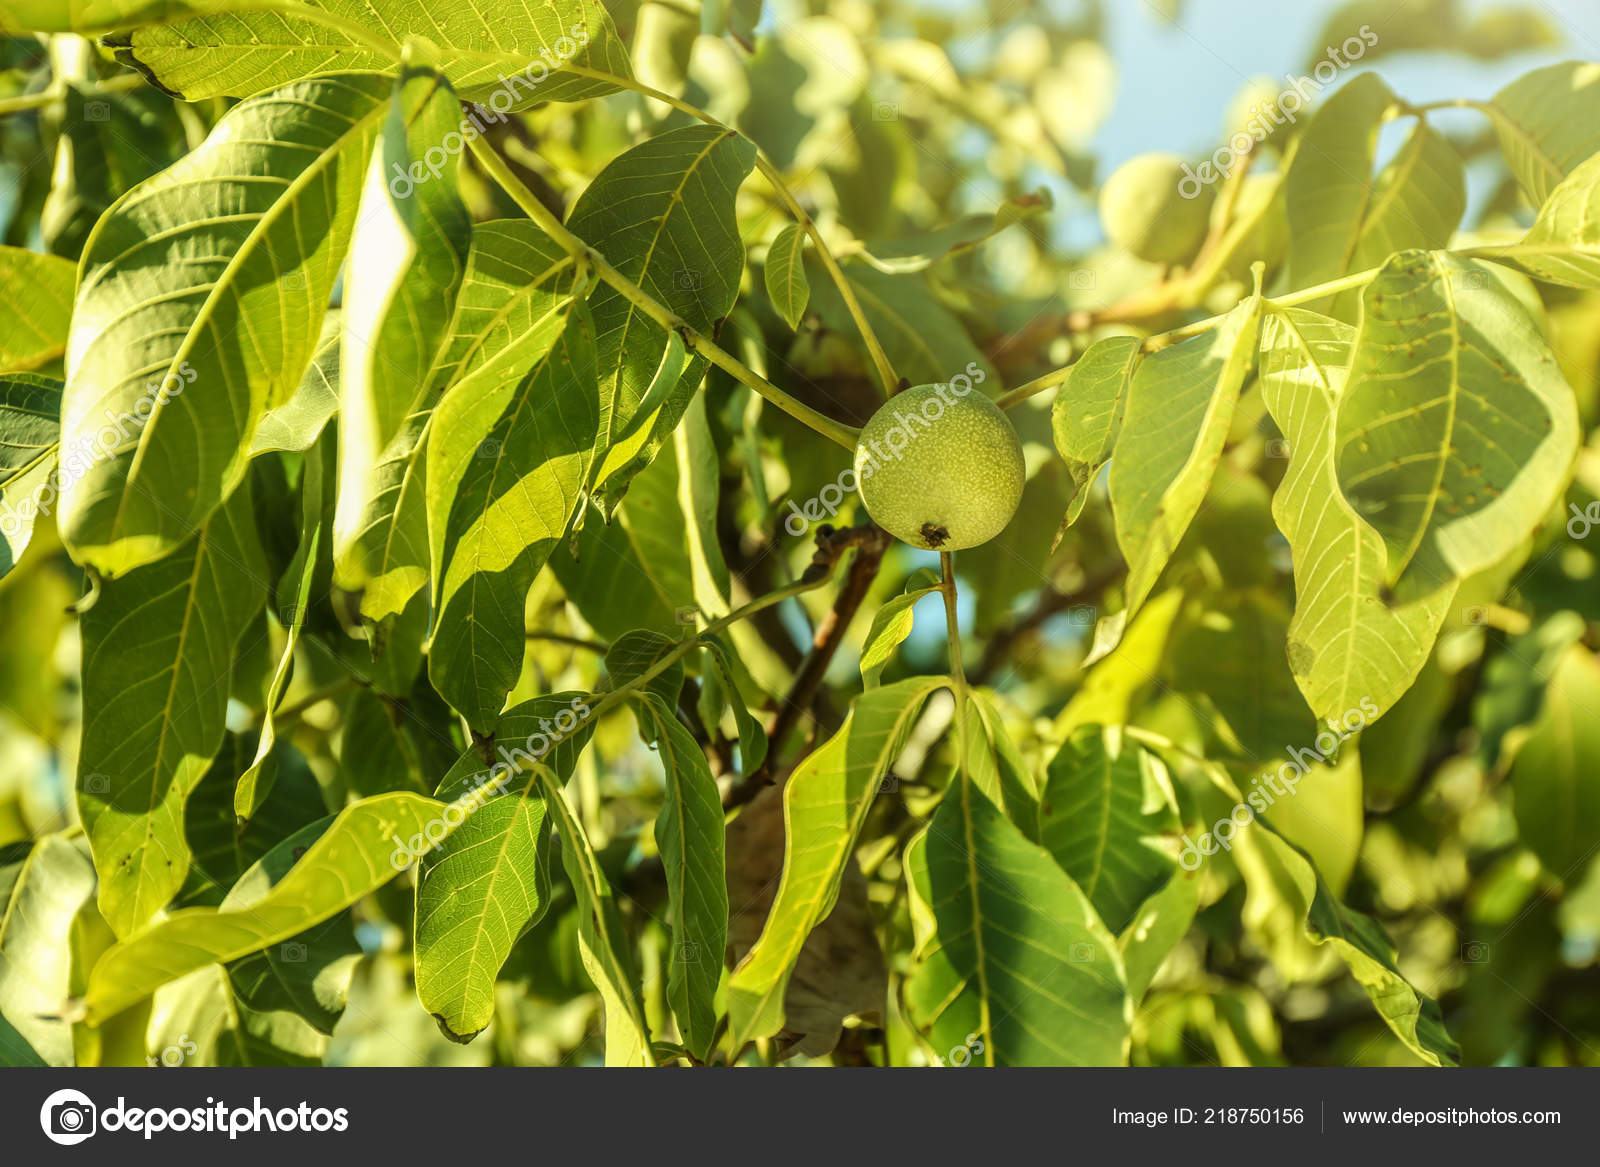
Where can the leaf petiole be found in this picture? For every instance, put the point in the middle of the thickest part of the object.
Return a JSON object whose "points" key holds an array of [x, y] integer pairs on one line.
{"points": [[547, 222], [770, 172]]}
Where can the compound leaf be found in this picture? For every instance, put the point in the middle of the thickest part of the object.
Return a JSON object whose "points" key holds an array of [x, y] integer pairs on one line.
{"points": [[202, 295], [1011, 960], [693, 848], [367, 844], [663, 214], [1456, 429], [521, 51], [785, 275], [489, 882], [1107, 805], [158, 650], [33, 330], [825, 803], [30, 430], [1180, 404], [1345, 642]]}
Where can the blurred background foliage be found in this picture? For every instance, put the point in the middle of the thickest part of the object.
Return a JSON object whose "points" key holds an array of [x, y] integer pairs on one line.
{"points": [[907, 126]]}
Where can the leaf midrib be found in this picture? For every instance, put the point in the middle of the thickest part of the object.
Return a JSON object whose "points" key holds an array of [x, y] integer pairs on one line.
{"points": [[675, 200]]}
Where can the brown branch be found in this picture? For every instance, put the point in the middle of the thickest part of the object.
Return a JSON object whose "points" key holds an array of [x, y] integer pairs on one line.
{"points": [[871, 543], [562, 638], [1050, 603]]}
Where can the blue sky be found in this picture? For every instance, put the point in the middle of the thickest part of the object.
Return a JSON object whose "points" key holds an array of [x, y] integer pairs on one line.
{"points": [[1175, 81]]}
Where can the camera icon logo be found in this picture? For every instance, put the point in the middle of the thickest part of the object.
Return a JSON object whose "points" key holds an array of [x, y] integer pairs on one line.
{"points": [[68, 1117], [292, 952]]}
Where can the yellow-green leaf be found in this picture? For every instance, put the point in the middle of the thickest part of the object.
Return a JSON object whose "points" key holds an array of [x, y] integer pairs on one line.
{"points": [[1346, 643], [1456, 430]]}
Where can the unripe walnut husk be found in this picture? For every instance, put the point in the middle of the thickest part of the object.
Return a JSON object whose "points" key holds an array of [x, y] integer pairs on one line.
{"points": [[1144, 212], [940, 469]]}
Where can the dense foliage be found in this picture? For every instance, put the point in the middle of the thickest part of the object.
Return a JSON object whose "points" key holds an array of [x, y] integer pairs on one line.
{"points": [[440, 624]]}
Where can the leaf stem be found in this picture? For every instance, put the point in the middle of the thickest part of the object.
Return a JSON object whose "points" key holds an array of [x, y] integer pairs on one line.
{"points": [[502, 173], [958, 673], [55, 92], [880, 359], [1160, 340], [326, 693], [1021, 393], [947, 585], [569, 641]]}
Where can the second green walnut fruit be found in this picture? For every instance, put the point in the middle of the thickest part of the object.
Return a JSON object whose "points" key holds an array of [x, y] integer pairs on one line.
{"points": [[940, 469], [1144, 213]]}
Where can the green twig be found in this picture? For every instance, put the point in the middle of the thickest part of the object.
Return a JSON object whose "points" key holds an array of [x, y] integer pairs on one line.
{"points": [[569, 641], [56, 91], [326, 693], [1021, 393], [947, 585], [1160, 340], [546, 220], [880, 359]]}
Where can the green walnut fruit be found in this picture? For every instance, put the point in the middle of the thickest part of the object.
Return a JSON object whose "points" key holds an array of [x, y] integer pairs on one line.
{"points": [[1145, 213], [940, 467]]}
